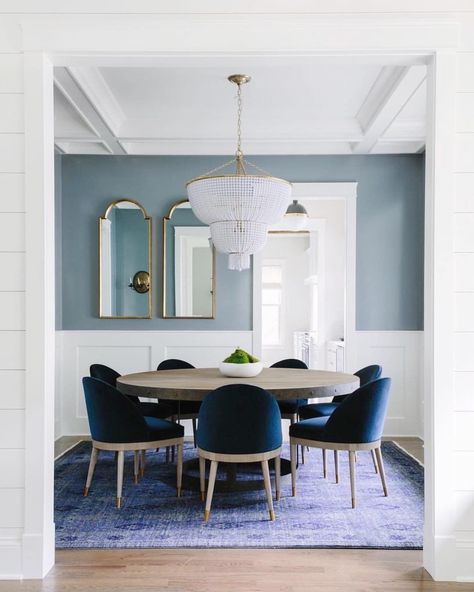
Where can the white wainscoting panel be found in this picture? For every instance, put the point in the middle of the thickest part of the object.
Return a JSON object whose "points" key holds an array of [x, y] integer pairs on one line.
{"points": [[400, 353], [130, 351]]}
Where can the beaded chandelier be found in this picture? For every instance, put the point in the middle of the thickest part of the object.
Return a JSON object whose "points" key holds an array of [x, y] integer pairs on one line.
{"points": [[239, 207]]}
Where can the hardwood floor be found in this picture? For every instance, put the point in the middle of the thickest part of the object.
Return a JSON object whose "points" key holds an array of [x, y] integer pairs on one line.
{"points": [[242, 570], [236, 570]]}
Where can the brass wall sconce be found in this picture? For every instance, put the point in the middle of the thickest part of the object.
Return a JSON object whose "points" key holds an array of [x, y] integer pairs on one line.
{"points": [[140, 282]]}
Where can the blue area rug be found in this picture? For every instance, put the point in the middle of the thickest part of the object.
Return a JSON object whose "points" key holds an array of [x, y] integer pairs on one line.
{"points": [[320, 516]]}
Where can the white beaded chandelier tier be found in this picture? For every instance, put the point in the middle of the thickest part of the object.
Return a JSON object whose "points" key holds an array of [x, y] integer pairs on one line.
{"points": [[239, 207]]}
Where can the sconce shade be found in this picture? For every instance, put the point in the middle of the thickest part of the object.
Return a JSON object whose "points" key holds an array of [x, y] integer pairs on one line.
{"points": [[296, 217]]}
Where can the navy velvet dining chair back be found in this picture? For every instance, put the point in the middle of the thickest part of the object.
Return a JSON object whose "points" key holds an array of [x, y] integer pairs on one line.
{"points": [[239, 419], [102, 372], [112, 417], [361, 416], [366, 375], [173, 364], [290, 363]]}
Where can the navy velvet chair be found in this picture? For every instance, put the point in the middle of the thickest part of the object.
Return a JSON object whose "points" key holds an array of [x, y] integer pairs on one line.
{"points": [[239, 423], [289, 409], [181, 409], [109, 375], [356, 424], [117, 424], [366, 375]]}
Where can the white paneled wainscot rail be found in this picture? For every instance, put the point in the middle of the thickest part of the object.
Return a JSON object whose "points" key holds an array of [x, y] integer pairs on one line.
{"points": [[399, 353]]}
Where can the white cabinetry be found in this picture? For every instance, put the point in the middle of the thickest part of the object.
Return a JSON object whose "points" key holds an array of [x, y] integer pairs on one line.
{"points": [[335, 356]]}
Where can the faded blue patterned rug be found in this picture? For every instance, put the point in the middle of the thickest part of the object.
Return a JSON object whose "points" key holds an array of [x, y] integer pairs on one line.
{"points": [[320, 516]]}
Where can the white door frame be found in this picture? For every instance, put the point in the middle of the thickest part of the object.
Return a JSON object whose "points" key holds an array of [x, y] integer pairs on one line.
{"points": [[336, 191], [404, 40]]}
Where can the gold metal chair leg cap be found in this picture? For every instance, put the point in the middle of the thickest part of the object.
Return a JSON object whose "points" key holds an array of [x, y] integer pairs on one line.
{"points": [[206, 515], [178, 492], [119, 502], [293, 491], [278, 495], [86, 491], [203, 496], [272, 515]]}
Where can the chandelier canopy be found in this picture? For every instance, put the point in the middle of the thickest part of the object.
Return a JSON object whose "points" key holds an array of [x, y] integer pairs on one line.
{"points": [[239, 207]]}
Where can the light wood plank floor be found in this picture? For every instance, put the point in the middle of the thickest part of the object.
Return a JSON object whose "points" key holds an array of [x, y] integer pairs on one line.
{"points": [[235, 570], [242, 570]]}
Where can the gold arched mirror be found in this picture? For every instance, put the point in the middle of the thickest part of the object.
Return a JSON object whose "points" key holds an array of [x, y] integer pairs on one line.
{"points": [[125, 261], [188, 266]]}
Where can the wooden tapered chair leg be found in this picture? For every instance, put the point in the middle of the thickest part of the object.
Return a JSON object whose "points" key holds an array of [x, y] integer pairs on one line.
{"points": [[210, 489], [202, 477], [336, 465], [120, 462], [378, 453], [277, 478], [352, 469], [90, 473], [374, 460], [293, 448], [268, 488], [136, 465], [325, 464], [179, 470]]}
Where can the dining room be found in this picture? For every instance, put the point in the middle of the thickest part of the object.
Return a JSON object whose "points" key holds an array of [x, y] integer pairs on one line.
{"points": [[150, 303]]}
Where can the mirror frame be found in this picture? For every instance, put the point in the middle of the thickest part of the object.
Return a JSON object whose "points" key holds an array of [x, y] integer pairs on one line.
{"points": [[166, 219], [149, 226]]}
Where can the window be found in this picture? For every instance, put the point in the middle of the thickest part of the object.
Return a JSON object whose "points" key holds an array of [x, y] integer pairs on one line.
{"points": [[272, 287]]}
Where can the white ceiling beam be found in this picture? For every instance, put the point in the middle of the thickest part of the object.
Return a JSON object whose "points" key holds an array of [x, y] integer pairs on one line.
{"points": [[93, 85], [71, 90], [390, 93], [178, 147]]}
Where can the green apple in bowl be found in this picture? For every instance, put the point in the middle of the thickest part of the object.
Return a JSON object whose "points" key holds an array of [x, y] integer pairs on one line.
{"points": [[241, 364]]}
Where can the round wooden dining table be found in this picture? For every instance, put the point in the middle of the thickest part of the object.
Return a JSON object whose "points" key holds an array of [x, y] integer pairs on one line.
{"points": [[193, 384]]}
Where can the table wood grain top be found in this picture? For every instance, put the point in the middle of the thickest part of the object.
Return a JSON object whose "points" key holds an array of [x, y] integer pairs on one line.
{"points": [[194, 384]]}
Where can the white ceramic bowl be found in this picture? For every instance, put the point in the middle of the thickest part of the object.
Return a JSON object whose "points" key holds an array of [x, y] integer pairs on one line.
{"points": [[240, 370]]}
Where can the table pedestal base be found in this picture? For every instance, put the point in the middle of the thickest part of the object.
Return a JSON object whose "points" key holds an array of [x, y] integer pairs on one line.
{"points": [[233, 476]]}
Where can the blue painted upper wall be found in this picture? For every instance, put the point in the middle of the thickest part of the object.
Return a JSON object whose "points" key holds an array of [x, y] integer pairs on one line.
{"points": [[390, 223]]}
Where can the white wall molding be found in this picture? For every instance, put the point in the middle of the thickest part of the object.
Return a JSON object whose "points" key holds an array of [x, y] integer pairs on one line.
{"points": [[400, 353], [131, 351]]}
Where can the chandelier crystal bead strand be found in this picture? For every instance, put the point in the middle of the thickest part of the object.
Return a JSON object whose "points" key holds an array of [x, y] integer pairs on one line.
{"points": [[239, 207]]}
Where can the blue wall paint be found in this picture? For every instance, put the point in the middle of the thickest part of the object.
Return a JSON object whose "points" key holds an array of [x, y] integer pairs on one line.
{"points": [[58, 240], [390, 220]]}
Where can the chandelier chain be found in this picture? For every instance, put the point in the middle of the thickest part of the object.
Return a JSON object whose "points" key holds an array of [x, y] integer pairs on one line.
{"points": [[239, 120]]}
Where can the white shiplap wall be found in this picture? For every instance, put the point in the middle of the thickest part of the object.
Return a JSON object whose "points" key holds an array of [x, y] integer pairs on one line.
{"points": [[463, 420], [12, 304], [385, 31]]}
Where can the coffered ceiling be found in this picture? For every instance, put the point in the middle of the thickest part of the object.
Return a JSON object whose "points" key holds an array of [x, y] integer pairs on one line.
{"points": [[290, 107]]}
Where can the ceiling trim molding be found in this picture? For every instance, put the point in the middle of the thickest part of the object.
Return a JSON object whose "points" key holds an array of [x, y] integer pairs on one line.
{"points": [[405, 82], [75, 95], [93, 85]]}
